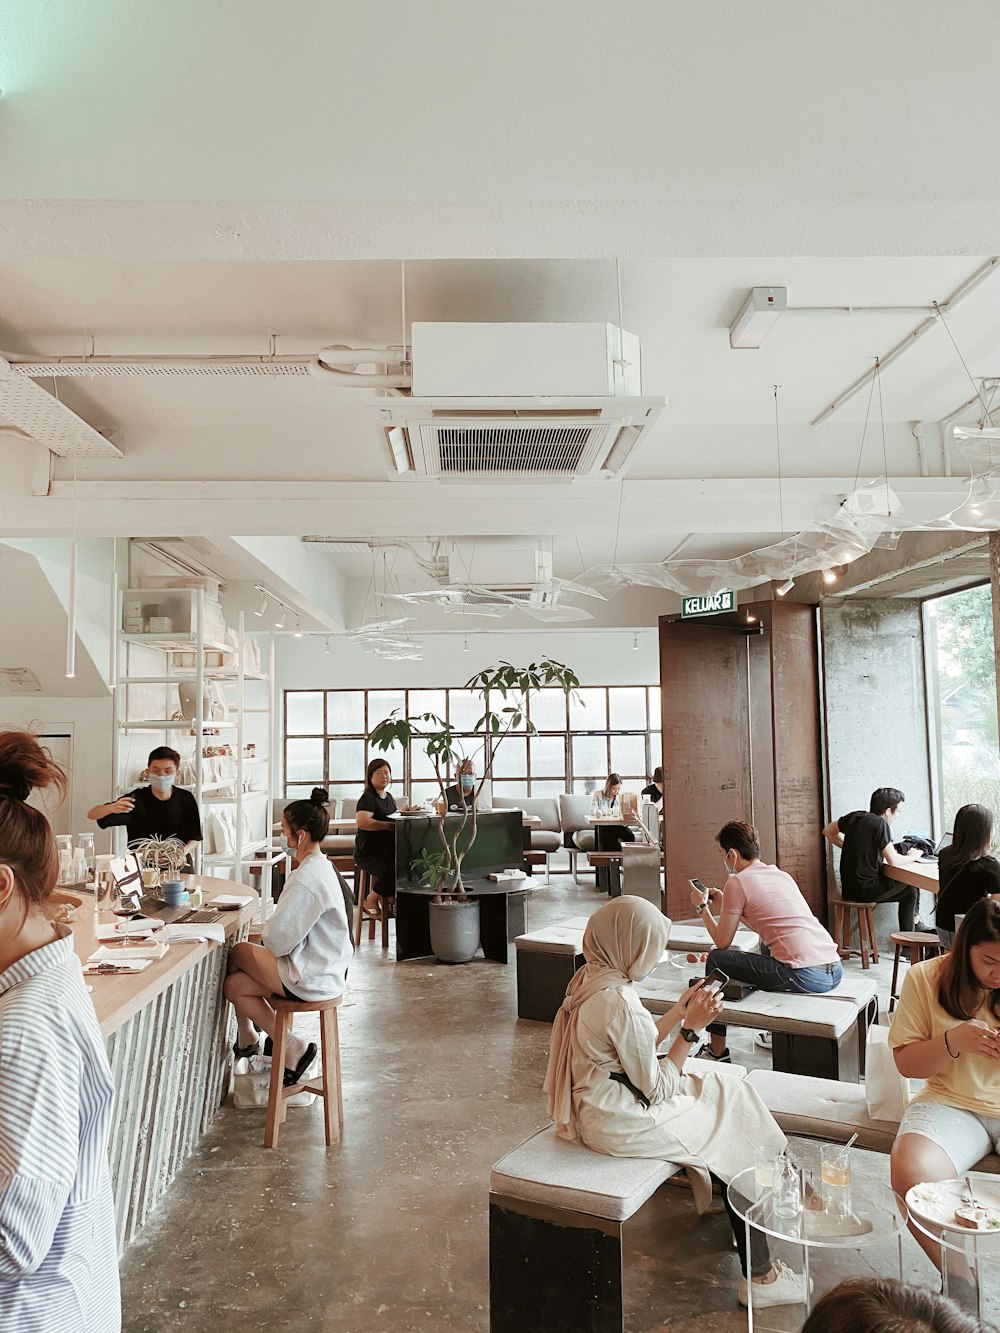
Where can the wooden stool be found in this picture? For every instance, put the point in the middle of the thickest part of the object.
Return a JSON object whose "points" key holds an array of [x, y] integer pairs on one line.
{"points": [[360, 893], [327, 1086], [920, 945], [842, 909]]}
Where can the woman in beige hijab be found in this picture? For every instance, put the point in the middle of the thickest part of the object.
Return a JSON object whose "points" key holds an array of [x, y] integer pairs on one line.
{"points": [[607, 1086]]}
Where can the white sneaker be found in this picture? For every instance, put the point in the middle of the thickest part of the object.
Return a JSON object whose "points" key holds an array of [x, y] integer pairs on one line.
{"points": [[788, 1288], [762, 1039]]}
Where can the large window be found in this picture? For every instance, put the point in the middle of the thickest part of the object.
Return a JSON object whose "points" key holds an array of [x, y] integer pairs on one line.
{"points": [[578, 742], [964, 690]]}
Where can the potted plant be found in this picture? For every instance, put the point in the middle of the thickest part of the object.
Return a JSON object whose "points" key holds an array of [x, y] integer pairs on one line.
{"points": [[159, 858], [505, 691]]}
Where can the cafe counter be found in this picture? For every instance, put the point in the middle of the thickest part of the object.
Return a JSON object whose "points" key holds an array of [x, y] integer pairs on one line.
{"points": [[167, 1031]]}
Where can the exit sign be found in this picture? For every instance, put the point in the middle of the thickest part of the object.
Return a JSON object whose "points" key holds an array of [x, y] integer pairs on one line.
{"points": [[709, 605]]}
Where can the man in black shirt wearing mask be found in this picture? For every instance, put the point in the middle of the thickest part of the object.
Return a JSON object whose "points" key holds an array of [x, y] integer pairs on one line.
{"points": [[865, 840], [161, 810]]}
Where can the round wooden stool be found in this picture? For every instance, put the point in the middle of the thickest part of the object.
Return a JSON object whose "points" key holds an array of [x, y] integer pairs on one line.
{"points": [[326, 1086], [920, 945], [842, 909], [360, 917]]}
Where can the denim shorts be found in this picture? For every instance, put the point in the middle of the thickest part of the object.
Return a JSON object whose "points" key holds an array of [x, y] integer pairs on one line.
{"points": [[966, 1136]]}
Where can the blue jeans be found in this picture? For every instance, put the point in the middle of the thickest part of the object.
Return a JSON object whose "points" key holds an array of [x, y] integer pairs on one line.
{"points": [[766, 973]]}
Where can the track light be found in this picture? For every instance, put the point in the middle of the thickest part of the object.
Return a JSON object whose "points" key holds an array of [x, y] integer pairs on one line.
{"points": [[786, 587], [328, 645], [280, 622], [262, 607], [635, 643], [298, 628], [466, 645]]}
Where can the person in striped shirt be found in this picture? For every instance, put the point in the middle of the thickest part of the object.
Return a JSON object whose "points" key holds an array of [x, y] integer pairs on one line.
{"points": [[58, 1250]]}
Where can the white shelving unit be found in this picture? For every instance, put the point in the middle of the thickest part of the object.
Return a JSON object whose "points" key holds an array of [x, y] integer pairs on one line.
{"points": [[145, 696]]}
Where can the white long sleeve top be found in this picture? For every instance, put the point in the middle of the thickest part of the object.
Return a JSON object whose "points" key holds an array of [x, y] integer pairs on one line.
{"points": [[58, 1252]]}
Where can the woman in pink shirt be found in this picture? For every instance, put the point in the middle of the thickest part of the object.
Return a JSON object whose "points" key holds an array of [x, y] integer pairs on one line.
{"points": [[796, 952]]}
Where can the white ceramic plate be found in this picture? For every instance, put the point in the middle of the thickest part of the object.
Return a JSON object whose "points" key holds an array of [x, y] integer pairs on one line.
{"points": [[934, 1203]]}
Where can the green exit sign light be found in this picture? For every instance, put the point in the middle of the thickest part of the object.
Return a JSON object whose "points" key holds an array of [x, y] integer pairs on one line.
{"points": [[710, 605]]}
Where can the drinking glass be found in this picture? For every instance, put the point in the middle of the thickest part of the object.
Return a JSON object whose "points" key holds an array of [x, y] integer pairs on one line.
{"points": [[835, 1173], [764, 1160]]}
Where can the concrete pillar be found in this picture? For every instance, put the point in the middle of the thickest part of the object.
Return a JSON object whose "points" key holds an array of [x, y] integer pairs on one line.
{"points": [[995, 591]]}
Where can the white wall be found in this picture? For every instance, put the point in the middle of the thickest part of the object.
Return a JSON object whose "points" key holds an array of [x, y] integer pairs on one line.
{"points": [[599, 657]]}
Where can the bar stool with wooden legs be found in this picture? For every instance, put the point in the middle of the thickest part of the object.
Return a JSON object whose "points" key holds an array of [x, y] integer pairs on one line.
{"points": [[842, 909], [920, 945], [361, 879], [327, 1086]]}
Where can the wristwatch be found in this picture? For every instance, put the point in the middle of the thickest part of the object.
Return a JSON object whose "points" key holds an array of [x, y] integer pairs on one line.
{"points": [[689, 1035], [704, 905]]}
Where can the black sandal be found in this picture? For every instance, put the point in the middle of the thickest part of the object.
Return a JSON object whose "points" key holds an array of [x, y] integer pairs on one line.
{"points": [[296, 1075], [245, 1052]]}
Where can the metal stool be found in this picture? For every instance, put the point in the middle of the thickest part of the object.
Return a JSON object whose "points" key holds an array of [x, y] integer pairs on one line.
{"points": [[328, 1088], [842, 909], [920, 945], [360, 893]]}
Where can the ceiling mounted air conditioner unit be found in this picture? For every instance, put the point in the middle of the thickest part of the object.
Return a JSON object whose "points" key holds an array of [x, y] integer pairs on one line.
{"points": [[518, 403]]}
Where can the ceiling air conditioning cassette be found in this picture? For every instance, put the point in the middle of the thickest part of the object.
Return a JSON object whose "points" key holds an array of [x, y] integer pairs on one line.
{"points": [[518, 403]]}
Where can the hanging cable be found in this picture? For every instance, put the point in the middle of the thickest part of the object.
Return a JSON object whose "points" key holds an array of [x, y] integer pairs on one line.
{"points": [[885, 460], [777, 445], [978, 389]]}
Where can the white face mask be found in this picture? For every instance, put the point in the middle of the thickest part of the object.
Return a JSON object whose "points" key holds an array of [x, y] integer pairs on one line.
{"points": [[162, 782], [293, 844]]}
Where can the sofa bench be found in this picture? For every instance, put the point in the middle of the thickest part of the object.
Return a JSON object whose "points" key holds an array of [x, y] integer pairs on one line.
{"points": [[556, 1216]]}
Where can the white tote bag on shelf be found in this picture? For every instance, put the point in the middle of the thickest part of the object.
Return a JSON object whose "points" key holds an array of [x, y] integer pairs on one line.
{"points": [[252, 1084], [887, 1092]]}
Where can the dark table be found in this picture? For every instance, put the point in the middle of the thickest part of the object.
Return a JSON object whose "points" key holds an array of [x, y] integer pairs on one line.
{"points": [[502, 917]]}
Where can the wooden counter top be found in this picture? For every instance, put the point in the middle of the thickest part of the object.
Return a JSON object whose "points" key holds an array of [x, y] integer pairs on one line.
{"points": [[921, 874], [118, 996]]}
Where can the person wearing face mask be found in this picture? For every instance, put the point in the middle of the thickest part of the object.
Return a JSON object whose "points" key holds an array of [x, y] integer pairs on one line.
{"points": [[306, 945], [161, 810], [797, 953], [461, 796]]}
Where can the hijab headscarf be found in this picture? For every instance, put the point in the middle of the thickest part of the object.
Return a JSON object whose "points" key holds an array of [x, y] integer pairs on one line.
{"points": [[623, 942]]}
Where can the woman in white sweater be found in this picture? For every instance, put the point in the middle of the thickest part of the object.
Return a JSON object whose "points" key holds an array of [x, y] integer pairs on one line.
{"points": [[307, 941]]}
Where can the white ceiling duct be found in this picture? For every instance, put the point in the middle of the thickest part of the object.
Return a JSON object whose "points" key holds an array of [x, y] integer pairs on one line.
{"points": [[339, 364], [30, 410]]}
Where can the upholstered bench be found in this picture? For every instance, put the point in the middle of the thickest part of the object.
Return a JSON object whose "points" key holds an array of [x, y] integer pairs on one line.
{"points": [[692, 937], [818, 1108], [556, 1216], [546, 961], [811, 1034]]}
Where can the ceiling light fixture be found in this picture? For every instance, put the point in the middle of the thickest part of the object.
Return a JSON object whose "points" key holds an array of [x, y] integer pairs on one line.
{"points": [[298, 628], [328, 645], [280, 622], [262, 607], [635, 643], [830, 575], [786, 587], [466, 647], [757, 317]]}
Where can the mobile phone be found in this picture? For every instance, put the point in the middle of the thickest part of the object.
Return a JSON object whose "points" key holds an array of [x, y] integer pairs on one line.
{"points": [[717, 977], [697, 884]]}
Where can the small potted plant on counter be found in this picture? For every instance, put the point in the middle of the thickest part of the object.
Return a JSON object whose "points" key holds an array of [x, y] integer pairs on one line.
{"points": [[161, 860], [505, 691]]}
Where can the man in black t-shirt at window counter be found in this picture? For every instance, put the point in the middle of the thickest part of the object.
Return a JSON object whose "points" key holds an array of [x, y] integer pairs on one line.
{"points": [[865, 840], [160, 810]]}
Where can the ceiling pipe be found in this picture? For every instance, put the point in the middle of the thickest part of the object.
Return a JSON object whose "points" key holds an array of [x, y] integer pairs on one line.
{"points": [[331, 364], [957, 296], [919, 432]]}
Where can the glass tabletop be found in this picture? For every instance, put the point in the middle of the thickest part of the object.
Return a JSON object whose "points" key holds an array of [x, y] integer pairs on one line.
{"points": [[865, 1213]]}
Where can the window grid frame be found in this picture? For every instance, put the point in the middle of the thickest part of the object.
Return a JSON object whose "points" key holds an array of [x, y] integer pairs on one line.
{"points": [[653, 727]]}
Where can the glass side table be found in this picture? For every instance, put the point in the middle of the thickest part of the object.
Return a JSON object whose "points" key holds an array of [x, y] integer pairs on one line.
{"points": [[834, 1236], [970, 1259]]}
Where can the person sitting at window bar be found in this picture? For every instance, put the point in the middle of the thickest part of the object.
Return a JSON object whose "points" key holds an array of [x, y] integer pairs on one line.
{"points": [[865, 839], [966, 870], [461, 794]]}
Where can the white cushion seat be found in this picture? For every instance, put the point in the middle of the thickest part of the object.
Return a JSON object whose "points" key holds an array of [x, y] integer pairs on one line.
{"points": [[338, 844], [857, 990], [692, 936], [545, 840], [552, 939], [776, 1011], [585, 840]]}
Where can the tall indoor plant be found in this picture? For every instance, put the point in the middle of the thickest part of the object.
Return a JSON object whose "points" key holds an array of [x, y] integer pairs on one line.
{"points": [[505, 691]]}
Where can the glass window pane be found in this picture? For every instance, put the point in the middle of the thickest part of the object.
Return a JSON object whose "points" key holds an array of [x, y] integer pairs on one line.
{"points": [[510, 790], [654, 706], [587, 786], [590, 757], [627, 705], [472, 748], [347, 760], [548, 757], [424, 791], [345, 712], [547, 710], [511, 758], [304, 760], [380, 704], [655, 751], [394, 758], [420, 765], [340, 791], [299, 791], [466, 708], [546, 788], [589, 710], [426, 701], [304, 713], [628, 756]]}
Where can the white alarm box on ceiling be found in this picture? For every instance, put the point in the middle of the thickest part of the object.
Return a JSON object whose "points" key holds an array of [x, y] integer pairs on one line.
{"points": [[524, 361]]}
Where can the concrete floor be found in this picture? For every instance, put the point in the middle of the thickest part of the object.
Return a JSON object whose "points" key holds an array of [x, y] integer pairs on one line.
{"points": [[388, 1230]]}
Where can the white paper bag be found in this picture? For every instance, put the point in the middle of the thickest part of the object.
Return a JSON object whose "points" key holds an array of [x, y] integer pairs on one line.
{"points": [[887, 1092], [252, 1084]]}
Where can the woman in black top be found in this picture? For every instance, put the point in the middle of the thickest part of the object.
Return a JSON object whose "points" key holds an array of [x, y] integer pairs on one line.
{"points": [[655, 789], [966, 871], [375, 842]]}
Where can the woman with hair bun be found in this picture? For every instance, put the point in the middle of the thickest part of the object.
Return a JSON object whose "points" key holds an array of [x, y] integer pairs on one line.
{"points": [[306, 945], [58, 1250]]}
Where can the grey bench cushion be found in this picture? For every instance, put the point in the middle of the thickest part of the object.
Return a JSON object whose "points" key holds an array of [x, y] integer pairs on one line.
{"points": [[693, 935], [808, 1015], [546, 1170], [544, 840]]}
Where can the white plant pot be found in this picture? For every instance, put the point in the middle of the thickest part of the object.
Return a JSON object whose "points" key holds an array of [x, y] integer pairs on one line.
{"points": [[455, 930]]}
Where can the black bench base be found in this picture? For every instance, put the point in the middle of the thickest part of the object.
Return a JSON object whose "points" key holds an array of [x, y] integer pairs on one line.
{"points": [[542, 979]]}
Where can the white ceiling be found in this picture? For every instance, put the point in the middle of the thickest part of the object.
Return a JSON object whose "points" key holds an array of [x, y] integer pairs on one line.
{"points": [[196, 178]]}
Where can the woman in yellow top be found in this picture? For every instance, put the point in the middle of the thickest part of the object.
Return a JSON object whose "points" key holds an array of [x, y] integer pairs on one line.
{"points": [[947, 1030]]}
